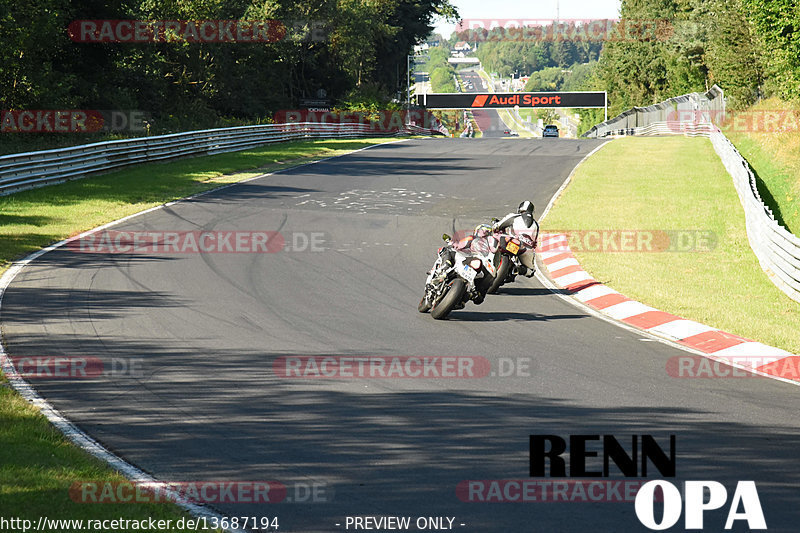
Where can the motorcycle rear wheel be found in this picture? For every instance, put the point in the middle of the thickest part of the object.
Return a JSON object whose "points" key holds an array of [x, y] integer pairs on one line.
{"points": [[502, 274]]}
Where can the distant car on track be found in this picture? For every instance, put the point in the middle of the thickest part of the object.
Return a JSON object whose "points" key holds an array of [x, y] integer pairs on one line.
{"points": [[550, 130]]}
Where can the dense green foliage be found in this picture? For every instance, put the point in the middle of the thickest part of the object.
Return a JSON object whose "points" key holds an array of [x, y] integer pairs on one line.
{"points": [[526, 56], [344, 47], [750, 48], [574, 78], [777, 23], [441, 72], [355, 50]]}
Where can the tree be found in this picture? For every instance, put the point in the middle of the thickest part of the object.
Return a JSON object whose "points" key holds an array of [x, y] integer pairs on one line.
{"points": [[358, 49], [777, 22], [734, 53]]}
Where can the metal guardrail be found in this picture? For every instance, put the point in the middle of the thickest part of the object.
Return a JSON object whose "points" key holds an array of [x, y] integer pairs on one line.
{"points": [[700, 108], [528, 125], [30, 170], [700, 129], [777, 249]]}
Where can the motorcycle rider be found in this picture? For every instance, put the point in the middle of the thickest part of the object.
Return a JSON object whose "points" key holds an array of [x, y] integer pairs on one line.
{"points": [[523, 226], [478, 242]]}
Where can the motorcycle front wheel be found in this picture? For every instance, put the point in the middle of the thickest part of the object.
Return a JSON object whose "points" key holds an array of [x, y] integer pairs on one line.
{"points": [[451, 298]]}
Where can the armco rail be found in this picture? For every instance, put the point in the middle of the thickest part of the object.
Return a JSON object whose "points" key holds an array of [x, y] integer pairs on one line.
{"points": [[776, 248], [36, 169], [700, 129], [667, 117]]}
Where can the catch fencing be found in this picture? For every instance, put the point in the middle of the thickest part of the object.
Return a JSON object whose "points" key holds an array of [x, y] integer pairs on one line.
{"points": [[691, 114], [37, 169]]}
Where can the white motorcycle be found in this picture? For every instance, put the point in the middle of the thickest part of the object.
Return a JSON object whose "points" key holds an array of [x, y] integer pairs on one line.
{"points": [[463, 271]]}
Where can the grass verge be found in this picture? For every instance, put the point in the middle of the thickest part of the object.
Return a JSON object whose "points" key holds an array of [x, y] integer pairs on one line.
{"points": [[676, 183], [528, 114], [476, 130], [767, 135], [33, 219], [513, 124], [37, 464]]}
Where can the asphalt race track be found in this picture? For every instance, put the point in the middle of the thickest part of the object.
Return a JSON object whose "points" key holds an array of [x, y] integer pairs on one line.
{"points": [[488, 120], [207, 328]]}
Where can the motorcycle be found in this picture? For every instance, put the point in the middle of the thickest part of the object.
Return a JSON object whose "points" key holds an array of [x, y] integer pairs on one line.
{"points": [[463, 271], [511, 249]]}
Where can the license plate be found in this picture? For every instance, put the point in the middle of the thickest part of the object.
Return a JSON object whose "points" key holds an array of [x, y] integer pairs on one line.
{"points": [[512, 247], [469, 273]]}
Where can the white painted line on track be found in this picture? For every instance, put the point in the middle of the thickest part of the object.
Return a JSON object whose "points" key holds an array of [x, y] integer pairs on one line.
{"points": [[64, 425], [566, 181]]}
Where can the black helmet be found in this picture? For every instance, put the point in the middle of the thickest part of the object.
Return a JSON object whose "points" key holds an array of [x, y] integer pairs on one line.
{"points": [[525, 207]]}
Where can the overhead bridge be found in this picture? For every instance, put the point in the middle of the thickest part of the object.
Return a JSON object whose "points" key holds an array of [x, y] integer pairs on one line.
{"points": [[562, 99]]}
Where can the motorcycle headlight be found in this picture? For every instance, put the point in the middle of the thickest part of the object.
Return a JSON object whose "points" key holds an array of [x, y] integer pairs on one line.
{"points": [[475, 263]]}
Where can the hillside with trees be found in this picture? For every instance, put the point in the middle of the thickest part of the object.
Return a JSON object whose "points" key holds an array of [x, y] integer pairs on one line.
{"points": [[347, 48], [750, 48], [441, 72], [525, 57]]}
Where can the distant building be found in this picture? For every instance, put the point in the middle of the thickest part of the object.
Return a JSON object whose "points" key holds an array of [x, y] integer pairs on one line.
{"points": [[461, 49], [519, 83]]}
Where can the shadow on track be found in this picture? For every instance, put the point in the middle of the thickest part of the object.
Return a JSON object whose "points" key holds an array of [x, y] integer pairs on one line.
{"points": [[476, 316]]}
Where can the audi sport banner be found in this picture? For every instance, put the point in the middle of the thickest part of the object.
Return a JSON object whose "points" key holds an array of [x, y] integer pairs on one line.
{"points": [[508, 100]]}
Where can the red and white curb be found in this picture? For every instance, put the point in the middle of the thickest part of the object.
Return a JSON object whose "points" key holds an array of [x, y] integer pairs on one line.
{"points": [[567, 274]]}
